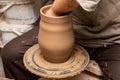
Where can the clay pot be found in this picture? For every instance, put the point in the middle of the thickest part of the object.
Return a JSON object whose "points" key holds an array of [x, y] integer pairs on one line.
{"points": [[56, 38]]}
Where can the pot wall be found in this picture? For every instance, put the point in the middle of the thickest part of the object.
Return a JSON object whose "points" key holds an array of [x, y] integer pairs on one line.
{"points": [[56, 38]]}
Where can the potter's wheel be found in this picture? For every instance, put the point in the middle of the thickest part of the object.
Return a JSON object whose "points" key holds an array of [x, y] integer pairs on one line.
{"points": [[36, 64]]}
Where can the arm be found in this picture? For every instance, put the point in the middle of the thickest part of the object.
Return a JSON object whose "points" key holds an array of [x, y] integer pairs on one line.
{"points": [[61, 7]]}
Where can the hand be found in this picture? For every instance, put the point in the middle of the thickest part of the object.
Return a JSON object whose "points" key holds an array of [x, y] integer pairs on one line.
{"points": [[61, 7]]}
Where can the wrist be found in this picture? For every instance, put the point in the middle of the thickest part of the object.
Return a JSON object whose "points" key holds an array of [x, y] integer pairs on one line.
{"points": [[50, 12]]}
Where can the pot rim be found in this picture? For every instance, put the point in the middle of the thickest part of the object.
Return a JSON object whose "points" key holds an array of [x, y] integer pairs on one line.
{"points": [[44, 8]]}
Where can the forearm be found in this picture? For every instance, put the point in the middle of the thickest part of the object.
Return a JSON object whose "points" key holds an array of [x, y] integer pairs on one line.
{"points": [[61, 7], [64, 6]]}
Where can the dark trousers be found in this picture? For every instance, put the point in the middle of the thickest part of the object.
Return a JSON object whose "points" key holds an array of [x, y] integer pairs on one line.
{"points": [[108, 59], [12, 56]]}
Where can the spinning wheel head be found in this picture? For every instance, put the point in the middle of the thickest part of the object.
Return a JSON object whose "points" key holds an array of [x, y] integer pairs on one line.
{"points": [[36, 64]]}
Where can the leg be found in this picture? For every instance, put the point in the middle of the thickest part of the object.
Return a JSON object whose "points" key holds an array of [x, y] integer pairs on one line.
{"points": [[12, 56], [109, 60]]}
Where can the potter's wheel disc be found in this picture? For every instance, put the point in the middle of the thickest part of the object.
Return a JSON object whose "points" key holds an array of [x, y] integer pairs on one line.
{"points": [[36, 64]]}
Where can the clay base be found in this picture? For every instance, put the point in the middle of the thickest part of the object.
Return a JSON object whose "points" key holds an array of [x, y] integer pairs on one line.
{"points": [[36, 64], [92, 72], [82, 76]]}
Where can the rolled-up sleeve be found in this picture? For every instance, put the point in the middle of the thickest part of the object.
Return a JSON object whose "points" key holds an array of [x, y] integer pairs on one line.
{"points": [[88, 5]]}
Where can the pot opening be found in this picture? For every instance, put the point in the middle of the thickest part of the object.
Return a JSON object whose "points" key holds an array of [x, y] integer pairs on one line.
{"points": [[44, 9]]}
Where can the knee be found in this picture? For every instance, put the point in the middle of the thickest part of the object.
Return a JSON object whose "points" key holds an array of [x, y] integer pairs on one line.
{"points": [[10, 52]]}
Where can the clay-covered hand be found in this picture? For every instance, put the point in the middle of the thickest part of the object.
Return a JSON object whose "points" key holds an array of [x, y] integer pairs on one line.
{"points": [[61, 7]]}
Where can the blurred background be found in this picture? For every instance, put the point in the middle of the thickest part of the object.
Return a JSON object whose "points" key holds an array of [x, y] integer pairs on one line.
{"points": [[16, 18]]}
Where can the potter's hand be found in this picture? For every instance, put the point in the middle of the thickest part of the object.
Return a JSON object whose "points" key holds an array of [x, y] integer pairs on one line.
{"points": [[61, 7]]}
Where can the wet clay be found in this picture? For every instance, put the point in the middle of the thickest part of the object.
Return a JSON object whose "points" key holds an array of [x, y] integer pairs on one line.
{"points": [[56, 38], [56, 56]]}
